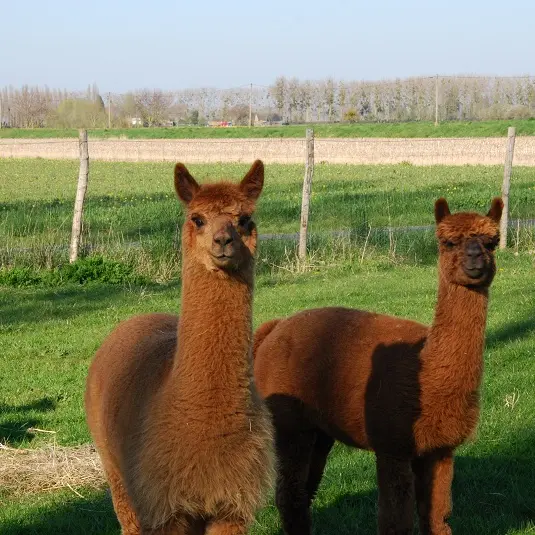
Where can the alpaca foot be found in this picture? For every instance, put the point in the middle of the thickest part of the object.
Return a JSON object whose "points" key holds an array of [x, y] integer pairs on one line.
{"points": [[226, 528], [129, 523], [442, 529], [178, 525]]}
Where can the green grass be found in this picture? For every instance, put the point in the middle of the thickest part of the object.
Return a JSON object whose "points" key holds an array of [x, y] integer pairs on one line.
{"points": [[132, 214], [48, 338], [49, 332], [524, 127]]}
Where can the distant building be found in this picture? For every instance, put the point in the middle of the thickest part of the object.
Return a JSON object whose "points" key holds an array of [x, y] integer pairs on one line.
{"points": [[260, 121], [266, 119], [224, 124]]}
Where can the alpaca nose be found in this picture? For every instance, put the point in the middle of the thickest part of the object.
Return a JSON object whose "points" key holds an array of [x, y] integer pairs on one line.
{"points": [[223, 237], [474, 262], [474, 250]]}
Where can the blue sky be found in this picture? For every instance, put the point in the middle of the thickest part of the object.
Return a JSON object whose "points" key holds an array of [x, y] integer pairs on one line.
{"points": [[179, 44]]}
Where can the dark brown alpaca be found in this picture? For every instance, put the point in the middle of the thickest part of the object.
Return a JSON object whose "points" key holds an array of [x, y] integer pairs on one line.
{"points": [[406, 391], [185, 440]]}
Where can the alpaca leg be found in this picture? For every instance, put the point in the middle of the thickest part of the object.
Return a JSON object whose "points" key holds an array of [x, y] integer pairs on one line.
{"points": [[227, 527], [179, 525], [396, 496], [122, 504], [433, 475], [318, 459], [294, 451]]}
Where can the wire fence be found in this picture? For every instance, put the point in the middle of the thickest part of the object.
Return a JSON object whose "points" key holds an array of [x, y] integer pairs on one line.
{"points": [[131, 213]]}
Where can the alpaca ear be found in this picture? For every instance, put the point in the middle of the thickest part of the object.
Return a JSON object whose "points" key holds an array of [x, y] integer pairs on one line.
{"points": [[253, 181], [185, 185], [441, 210], [496, 208]]}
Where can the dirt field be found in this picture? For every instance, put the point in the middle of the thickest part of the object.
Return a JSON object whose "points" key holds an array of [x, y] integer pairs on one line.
{"points": [[446, 151]]}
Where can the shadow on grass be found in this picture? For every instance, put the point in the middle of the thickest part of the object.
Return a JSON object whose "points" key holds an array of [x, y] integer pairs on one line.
{"points": [[512, 332], [42, 405], [66, 302], [93, 516], [15, 420], [14, 431], [492, 495]]}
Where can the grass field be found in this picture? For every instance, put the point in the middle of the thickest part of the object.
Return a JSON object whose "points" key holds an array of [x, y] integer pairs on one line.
{"points": [[132, 213], [524, 127], [49, 336]]}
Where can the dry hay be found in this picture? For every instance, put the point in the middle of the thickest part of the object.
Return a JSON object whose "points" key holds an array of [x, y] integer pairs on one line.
{"points": [[51, 468]]}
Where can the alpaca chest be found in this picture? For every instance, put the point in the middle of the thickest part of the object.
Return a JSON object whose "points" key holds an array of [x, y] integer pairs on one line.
{"points": [[447, 424], [211, 470]]}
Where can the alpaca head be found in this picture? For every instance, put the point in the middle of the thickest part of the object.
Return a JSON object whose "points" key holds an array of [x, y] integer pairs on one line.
{"points": [[218, 230], [466, 244]]}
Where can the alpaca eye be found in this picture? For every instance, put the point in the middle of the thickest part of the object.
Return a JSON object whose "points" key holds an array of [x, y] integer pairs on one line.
{"points": [[449, 244], [490, 246], [198, 221], [244, 220]]}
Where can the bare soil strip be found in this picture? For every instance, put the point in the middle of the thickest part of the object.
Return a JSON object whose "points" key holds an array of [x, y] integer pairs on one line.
{"points": [[418, 151]]}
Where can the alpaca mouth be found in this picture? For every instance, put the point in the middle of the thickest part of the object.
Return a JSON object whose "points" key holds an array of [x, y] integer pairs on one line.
{"points": [[223, 260], [474, 273]]}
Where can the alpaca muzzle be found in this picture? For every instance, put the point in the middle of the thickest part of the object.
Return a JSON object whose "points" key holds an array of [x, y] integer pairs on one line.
{"points": [[475, 261], [225, 247]]}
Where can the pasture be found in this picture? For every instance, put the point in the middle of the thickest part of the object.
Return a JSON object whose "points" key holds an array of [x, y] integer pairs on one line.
{"points": [[360, 256], [132, 214], [497, 128]]}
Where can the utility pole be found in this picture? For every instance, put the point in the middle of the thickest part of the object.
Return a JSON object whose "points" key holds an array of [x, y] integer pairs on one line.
{"points": [[109, 111], [436, 100], [251, 106]]}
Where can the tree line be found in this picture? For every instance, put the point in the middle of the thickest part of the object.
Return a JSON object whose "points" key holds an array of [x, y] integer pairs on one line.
{"points": [[286, 100]]}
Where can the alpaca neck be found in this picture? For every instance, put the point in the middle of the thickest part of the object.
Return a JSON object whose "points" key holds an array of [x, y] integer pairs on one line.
{"points": [[213, 363], [452, 357]]}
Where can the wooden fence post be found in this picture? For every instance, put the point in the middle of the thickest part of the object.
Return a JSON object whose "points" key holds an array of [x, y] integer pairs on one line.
{"points": [[80, 196], [511, 132], [307, 190]]}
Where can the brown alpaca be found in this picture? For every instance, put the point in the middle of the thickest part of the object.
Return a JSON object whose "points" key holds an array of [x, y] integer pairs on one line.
{"points": [[406, 391], [185, 440]]}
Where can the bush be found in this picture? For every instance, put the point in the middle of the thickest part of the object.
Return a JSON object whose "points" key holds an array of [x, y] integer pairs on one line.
{"points": [[83, 271], [351, 115]]}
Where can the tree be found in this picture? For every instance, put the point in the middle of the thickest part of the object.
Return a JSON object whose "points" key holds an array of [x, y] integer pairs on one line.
{"points": [[305, 99], [342, 97], [239, 114], [30, 106], [329, 97], [153, 106], [365, 107], [128, 106], [79, 113], [194, 117], [293, 97], [279, 94]]}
